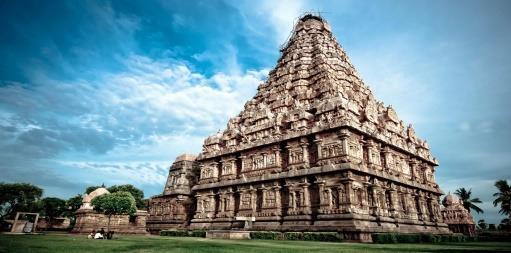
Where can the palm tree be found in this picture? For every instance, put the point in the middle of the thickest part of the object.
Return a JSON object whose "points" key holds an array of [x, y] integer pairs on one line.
{"points": [[468, 203], [503, 197]]}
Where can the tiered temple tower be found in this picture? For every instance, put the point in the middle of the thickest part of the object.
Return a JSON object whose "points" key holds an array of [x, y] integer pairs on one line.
{"points": [[175, 207], [314, 150]]}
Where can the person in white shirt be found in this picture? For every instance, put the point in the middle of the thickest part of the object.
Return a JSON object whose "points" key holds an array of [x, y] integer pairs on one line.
{"points": [[98, 235]]}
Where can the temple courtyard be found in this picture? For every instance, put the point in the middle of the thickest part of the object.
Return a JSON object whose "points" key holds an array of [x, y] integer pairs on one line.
{"points": [[75, 243]]}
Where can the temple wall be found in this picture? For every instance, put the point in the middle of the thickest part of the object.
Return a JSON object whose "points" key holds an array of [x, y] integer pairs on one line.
{"points": [[327, 181], [169, 212], [89, 220]]}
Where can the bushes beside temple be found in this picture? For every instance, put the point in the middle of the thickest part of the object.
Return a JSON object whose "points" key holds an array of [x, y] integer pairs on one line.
{"points": [[183, 233], [382, 238], [296, 236], [420, 238]]}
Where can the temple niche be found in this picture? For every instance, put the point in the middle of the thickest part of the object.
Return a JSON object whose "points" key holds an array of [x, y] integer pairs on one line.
{"points": [[314, 150]]}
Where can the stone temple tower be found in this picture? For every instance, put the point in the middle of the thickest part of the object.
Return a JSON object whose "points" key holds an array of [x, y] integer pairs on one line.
{"points": [[313, 150], [174, 207]]}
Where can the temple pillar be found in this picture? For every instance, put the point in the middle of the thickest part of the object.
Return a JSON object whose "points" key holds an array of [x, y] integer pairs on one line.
{"points": [[393, 205], [243, 163], [344, 135], [375, 206], [318, 142], [253, 201], [387, 155], [221, 203], [305, 152], [348, 185], [264, 192], [369, 146], [292, 199], [306, 199], [413, 167], [410, 203], [200, 207]]}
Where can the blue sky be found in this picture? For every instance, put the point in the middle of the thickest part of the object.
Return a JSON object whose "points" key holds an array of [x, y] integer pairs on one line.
{"points": [[111, 92]]}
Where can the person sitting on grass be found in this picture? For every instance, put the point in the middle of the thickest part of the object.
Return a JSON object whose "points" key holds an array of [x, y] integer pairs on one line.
{"points": [[91, 235], [102, 232], [109, 234], [98, 235]]}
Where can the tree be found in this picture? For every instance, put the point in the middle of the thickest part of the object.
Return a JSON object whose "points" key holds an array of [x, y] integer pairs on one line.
{"points": [[503, 197], [135, 192], [468, 203], [18, 197], [52, 208], [73, 204], [116, 203], [482, 224], [505, 224]]}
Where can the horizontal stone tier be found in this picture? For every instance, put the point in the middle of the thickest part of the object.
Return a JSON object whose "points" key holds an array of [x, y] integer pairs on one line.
{"points": [[315, 130], [315, 171]]}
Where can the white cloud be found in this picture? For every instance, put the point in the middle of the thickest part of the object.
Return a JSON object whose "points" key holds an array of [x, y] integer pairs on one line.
{"points": [[282, 15], [278, 16], [136, 172], [122, 127]]}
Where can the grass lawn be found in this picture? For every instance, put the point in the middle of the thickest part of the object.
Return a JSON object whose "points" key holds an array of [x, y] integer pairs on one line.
{"points": [[147, 244]]}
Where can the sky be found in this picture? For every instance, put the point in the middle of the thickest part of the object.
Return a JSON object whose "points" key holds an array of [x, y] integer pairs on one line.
{"points": [[95, 92]]}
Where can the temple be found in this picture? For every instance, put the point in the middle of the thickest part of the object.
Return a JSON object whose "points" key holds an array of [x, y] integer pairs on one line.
{"points": [[174, 208], [88, 220], [457, 217], [313, 150]]}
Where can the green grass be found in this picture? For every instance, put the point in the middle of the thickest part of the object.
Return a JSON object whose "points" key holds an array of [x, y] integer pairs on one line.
{"points": [[149, 244]]}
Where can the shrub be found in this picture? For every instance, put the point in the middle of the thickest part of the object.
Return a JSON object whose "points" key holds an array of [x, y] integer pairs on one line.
{"points": [[430, 238], [197, 233], [264, 235], [174, 233], [384, 238], [453, 238], [408, 238], [293, 236], [321, 236], [420, 238]]}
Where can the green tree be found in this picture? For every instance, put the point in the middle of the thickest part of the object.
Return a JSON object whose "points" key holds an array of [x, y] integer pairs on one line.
{"points": [[52, 208], [135, 192], [18, 197], [116, 203], [468, 202], [505, 224], [503, 197], [73, 204], [482, 224]]}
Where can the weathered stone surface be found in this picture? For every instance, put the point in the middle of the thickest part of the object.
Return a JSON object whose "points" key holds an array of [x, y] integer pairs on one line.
{"points": [[314, 150]]}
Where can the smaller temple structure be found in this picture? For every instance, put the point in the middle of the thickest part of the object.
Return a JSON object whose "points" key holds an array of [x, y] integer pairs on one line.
{"points": [[87, 219], [456, 216], [172, 209]]}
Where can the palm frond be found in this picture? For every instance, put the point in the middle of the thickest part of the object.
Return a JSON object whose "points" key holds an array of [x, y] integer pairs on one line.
{"points": [[476, 200], [476, 208]]}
